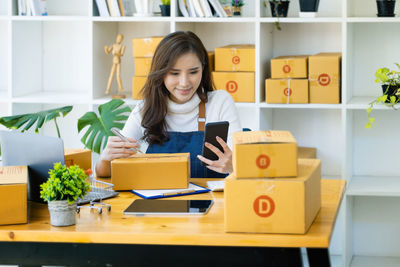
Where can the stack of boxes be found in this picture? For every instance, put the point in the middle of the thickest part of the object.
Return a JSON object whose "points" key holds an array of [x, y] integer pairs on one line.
{"points": [[304, 79], [234, 71], [271, 190], [143, 51]]}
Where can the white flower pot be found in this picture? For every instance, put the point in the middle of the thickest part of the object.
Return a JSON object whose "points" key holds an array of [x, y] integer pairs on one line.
{"points": [[62, 213]]}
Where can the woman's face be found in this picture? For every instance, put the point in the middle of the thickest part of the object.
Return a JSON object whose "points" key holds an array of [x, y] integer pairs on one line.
{"points": [[184, 78]]}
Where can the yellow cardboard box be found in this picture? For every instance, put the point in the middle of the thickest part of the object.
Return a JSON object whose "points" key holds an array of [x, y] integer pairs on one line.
{"points": [[80, 157], [145, 47], [306, 152], [13, 195], [211, 60], [151, 171], [240, 85], [274, 205], [324, 69], [259, 154], [142, 66], [237, 57], [286, 91], [137, 85], [289, 67]]}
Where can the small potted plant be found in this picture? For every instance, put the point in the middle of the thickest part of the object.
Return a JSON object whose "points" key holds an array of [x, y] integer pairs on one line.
{"points": [[385, 8], [279, 8], [390, 83], [62, 190], [165, 8], [308, 8], [237, 7]]}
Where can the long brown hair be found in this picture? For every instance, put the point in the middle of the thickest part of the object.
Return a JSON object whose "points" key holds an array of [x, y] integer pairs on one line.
{"points": [[154, 92]]}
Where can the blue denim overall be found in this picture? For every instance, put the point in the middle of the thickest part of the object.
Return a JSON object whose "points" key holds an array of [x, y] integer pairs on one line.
{"points": [[184, 142]]}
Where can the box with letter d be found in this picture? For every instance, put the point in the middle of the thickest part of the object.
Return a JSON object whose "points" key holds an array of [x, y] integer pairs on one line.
{"points": [[274, 205], [13, 195], [259, 154], [240, 85]]}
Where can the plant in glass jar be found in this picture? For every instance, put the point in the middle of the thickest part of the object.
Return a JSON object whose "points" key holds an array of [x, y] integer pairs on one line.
{"points": [[390, 83], [237, 7], [165, 8]]}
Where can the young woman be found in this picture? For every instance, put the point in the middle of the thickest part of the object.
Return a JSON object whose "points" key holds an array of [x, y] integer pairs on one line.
{"points": [[170, 118]]}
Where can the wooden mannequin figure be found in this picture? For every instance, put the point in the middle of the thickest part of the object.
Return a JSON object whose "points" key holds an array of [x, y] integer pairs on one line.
{"points": [[118, 51]]}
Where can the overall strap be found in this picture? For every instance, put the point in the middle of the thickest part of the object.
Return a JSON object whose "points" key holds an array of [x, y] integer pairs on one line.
{"points": [[202, 116]]}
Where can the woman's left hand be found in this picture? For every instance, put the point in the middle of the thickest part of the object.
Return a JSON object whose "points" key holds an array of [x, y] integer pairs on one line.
{"points": [[224, 162]]}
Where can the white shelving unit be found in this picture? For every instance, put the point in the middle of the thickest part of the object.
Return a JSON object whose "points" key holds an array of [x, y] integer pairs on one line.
{"points": [[58, 60]]}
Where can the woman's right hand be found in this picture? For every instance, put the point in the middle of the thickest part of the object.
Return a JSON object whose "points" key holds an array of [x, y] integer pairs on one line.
{"points": [[116, 148]]}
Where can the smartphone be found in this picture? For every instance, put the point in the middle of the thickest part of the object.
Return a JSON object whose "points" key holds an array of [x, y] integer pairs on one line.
{"points": [[143, 207], [116, 131], [212, 130]]}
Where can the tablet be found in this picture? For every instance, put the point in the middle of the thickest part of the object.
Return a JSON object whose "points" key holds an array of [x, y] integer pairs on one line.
{"points": [[156, 207]]}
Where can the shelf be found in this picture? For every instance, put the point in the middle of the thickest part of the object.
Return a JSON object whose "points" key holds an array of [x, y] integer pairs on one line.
{"points": [[132, 19], [374, 186], [49, 97], [301, 20], [213, 19], [362, 103], [50, 18], [4, 97], [373, 19], [370, 261], [302, 106]]}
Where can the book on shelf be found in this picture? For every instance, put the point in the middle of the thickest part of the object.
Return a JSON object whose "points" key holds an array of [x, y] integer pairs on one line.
{"points": [[102, 7], [198, 9], [219, 10], [32, 8], [183, 8], [206, 8], [191, 10], [113, 8], [226, 6]]}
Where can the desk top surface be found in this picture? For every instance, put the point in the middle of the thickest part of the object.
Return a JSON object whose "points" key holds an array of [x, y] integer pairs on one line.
{"points": [[207, 230]]}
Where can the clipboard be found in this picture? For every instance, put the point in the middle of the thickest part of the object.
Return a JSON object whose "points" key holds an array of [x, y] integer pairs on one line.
{"points": [[164, 193]]}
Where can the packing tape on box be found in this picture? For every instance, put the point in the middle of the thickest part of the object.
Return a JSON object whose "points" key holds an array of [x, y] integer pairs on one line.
{"points": [[234, 53], [271, 172], [289, 92], [314, 80]]}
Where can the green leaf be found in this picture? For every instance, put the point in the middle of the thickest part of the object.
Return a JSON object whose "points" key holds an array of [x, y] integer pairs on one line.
{"points": [[383, 98], [371, 120], [29, 119], [392, 99], [112, 114], [368, 125]]}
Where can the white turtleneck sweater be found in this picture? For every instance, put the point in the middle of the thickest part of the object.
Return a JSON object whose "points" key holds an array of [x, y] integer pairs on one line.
{"points": [[183, 117]]}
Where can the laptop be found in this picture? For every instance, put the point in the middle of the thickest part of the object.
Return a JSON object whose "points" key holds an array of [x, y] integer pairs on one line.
{"points": [[36, 151]]}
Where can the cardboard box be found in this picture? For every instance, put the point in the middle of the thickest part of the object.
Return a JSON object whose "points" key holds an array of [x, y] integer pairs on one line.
{"points": [[259, 154], [240, 85], [306, 152], [151, 171], [145, 47], [142, 66], [289, 67], [324, 70], [275, 205], [137, 85], [80, 157], [235, 58], [211, 60], [13, 195], [286, 91]]}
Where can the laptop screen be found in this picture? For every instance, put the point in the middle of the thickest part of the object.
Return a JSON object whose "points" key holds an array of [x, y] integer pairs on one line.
{"points": [[36, 151]]}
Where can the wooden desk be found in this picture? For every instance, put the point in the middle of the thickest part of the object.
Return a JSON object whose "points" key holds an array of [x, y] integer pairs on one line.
{"points": [[208, 230]]}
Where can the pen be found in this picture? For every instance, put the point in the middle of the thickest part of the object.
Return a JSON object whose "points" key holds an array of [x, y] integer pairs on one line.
{"points": [[179, 192], [123, 138]]}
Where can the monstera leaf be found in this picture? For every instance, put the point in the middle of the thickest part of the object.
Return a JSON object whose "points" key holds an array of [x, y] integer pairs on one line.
{"points": [[28, 120], [111, 115]]}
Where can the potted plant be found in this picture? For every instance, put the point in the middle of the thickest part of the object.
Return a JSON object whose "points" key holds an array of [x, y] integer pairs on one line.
{"points": [[308, 8], [62, 190], [390, 83], [279, 8], [165, 8], [237, 7], [385, 8]]}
